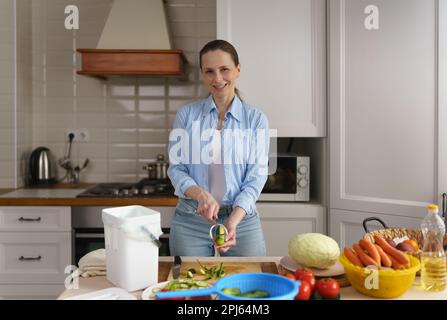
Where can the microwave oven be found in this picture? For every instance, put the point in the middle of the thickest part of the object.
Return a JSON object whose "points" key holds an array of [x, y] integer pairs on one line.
{"points": [[290, 181]]}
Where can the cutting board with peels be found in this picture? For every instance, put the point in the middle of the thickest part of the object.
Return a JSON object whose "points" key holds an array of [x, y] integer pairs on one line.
{"points": [[165, 269]]}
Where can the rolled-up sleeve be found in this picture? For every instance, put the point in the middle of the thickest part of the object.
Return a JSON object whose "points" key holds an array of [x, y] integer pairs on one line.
{"points": [[178, 171], [256, 174]]}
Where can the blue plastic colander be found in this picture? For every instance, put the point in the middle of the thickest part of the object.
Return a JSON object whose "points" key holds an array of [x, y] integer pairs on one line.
{"points": [[279, 287]]}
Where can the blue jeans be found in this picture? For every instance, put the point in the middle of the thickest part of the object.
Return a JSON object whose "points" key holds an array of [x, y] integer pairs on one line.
{"points": [[190, 233]]}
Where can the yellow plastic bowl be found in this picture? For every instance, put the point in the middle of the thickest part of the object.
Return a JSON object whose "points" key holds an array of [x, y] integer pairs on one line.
{"points": [[390, 284]]}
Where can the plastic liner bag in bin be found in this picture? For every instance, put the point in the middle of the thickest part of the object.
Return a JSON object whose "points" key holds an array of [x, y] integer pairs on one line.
{"points": [[131, 254]]}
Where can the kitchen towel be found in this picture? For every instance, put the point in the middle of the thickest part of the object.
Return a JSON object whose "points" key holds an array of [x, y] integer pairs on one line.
{"points": [[93, 264]]}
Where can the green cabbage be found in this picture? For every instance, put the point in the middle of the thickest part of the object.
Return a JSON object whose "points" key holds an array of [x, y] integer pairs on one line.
{"points": [[314, 250]]}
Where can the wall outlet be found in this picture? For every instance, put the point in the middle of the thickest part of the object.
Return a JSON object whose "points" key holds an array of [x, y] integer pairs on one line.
{"points": [[80, 135]]}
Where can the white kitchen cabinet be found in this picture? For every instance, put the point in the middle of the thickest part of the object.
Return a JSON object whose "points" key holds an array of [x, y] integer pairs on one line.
{"points": [[35, 219], [34, 257], [281, 221], [35, 249], [346, 227], [30, 292], [386, 95], [281, 47]]}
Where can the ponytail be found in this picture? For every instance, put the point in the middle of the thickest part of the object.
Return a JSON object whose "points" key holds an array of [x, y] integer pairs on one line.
{"points": [[238, 93]]}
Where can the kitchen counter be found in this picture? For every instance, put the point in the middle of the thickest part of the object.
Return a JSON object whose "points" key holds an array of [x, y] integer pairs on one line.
{"points": [[65, 195], [87, 285]]}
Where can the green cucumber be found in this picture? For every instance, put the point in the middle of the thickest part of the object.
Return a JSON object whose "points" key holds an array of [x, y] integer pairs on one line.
{"points": [[257, 294], [220, 235], [232, 291]]}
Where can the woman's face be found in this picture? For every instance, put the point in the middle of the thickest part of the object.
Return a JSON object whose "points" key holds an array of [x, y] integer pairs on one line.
{"points": [[219, 73]]}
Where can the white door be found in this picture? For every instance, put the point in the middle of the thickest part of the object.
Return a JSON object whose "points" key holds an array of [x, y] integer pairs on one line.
{"points": [[384, 99], [282, 51], [442, 102]]}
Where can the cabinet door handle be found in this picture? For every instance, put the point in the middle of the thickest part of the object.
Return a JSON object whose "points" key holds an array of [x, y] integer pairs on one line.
{"points": [[22, 219], [89, 236], [22, 258], [444, 204]]}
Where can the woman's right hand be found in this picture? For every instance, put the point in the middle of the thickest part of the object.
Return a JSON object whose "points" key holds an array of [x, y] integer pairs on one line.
{"points": [[207, 206]]}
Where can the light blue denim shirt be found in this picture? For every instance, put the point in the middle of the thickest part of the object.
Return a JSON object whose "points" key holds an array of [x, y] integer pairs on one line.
{"points": [[245, 146]]}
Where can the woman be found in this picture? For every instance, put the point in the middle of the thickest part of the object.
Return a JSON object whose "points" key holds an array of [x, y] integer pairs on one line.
{"points": [[218, 153]]}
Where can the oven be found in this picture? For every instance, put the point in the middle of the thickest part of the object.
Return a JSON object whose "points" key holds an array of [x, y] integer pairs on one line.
{"points": [[88, 233], [290, 181]]}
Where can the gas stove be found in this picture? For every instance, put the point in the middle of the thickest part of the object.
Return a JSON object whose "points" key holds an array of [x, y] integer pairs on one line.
{"points": [[142, 189]]}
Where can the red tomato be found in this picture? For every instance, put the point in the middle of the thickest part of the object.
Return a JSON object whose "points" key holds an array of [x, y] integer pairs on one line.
{"points": [[180, 298], [290, 276], [302, 271], [310, 279], [306, 274], [328, 288], [305, 291]]}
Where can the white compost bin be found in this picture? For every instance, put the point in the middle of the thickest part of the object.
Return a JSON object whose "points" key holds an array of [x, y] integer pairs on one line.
{"points": [[131, 256]]}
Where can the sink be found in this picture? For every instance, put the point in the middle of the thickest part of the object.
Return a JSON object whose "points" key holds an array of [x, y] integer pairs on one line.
{"points": [[43, 193]]}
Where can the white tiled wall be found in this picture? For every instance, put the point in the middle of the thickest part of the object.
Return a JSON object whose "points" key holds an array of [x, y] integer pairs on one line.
{"points": [[128, 118], [15, 90], [24, 62], [7, 100]]}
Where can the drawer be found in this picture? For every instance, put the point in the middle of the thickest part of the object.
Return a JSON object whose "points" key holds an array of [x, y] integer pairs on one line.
{"points": [[35, 218], [30, 291], [33, 257]]}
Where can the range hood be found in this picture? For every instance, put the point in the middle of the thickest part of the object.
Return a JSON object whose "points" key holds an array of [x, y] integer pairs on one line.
{"points": [[135, 42]]}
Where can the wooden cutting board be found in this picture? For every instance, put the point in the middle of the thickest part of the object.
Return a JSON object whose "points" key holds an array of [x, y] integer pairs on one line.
{"points": [[165, 269]]}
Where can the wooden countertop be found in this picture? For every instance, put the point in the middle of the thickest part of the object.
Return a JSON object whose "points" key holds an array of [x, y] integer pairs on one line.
{"points": [[47, 200], [87, 285]]}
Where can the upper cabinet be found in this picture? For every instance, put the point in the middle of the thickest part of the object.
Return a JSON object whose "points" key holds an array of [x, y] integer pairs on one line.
{"points": [[281, 47], [387, 105]]}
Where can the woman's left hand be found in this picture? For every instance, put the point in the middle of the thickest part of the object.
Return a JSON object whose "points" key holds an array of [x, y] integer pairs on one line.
{"points": [[230, 239], [236, 216]]}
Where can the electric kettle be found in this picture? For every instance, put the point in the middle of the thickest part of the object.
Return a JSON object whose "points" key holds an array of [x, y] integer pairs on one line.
{"points": [[41, 167]]}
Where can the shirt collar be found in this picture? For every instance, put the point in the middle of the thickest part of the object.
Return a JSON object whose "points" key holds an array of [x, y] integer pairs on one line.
{"points": [[235, 109]]}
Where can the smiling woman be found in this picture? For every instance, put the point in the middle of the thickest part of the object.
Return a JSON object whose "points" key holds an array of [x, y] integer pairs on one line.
{"points": [[219, 190], [220, 69]]}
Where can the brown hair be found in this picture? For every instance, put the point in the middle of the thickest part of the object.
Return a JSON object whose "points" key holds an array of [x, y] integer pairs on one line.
{"points": [[224, 46], [219, 45]]}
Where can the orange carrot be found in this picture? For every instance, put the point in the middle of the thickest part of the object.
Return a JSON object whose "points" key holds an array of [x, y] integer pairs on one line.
{"points": [[366, 260], [396, 264], [385, 258], [399, 256], [371, 249], [352, 257]]}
